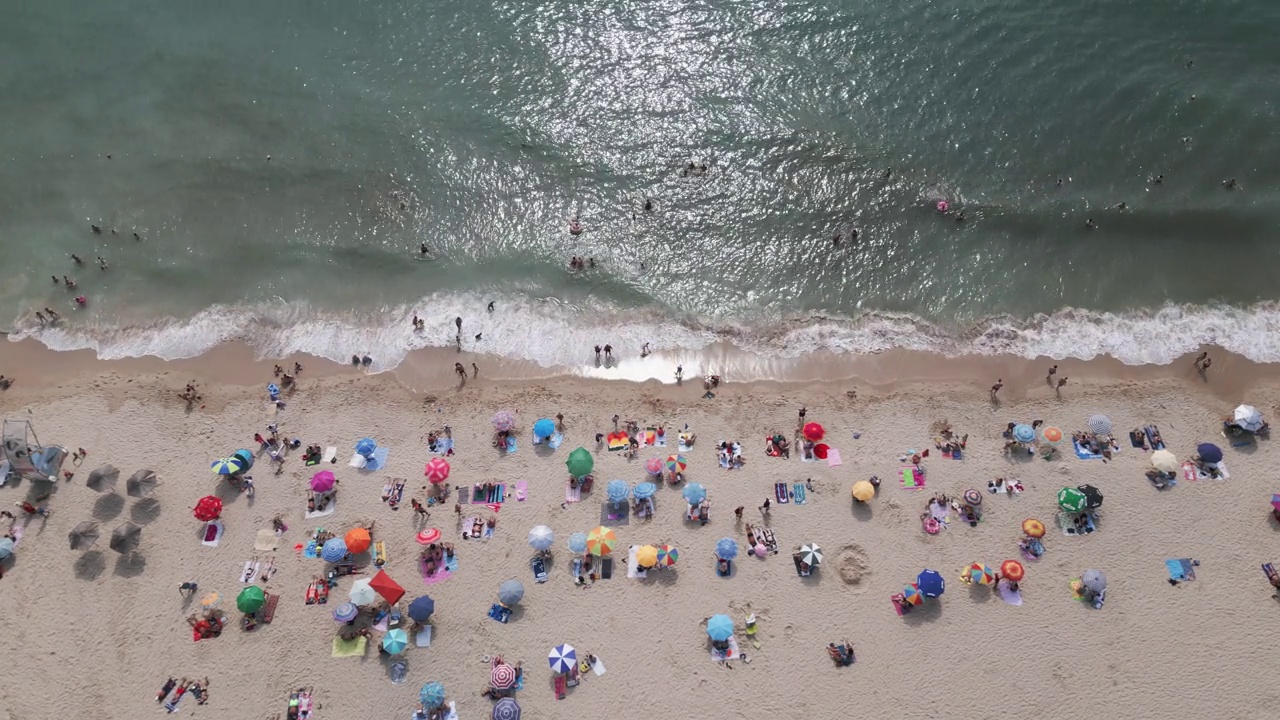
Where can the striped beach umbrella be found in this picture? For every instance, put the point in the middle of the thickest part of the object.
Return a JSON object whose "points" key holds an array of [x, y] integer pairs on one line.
{"points": [[1099, 425], [562, 658], [644, 490], [333, 550], [506, 709], [437, 470], [227, 466], [1024, 433], [601, 541], [502, 677], [668, 555], [676, 464], [618, 490], [427, 536], [811, 554]]}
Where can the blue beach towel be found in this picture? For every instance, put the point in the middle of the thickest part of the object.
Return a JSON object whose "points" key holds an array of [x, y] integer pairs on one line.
{"points": [[511, 445], [443, 446], [379, 459], [1085, 454], [311, 551], [1180, 569], [554, 442], [798, 491]]}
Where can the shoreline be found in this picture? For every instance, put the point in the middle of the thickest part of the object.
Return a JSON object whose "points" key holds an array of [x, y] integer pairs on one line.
{"points": [[36, 366]]}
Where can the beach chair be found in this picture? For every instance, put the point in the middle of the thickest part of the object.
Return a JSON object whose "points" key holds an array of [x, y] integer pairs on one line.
{"points": [[587, 482], [539, 570], [764, 536]]}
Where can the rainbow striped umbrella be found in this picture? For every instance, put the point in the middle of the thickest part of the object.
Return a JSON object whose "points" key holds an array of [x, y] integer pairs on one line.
{"points": [[979, 573], [911, 594], [668, 555], [677, 464], [601, 541]]}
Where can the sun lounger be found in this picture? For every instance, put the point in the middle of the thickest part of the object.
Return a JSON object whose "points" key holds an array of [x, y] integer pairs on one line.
{"points": [[269, 608], [798, 492], [764, 536], [780, 495]]}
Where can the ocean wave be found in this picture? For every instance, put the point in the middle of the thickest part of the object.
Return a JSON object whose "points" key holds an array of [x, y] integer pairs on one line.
{"points": [[553, 334]]}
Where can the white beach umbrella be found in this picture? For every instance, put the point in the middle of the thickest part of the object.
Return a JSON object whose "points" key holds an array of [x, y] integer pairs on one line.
{"points": [[1164, 461], [1248, 417], [811, 554], [541, 537], [1099, 425], [362, 593]]}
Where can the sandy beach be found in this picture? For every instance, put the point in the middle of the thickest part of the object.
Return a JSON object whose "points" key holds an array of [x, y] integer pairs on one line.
{"points": [[96, 632]]}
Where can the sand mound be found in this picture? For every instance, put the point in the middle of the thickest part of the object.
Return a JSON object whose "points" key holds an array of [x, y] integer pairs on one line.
{"points": [[852, 564]]}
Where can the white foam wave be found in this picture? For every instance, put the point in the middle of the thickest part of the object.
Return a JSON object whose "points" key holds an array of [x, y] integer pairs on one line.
{"points": [[551, 333]]}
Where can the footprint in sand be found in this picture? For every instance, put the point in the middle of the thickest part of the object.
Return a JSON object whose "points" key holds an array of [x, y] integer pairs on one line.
{"points": [[852, 564]]}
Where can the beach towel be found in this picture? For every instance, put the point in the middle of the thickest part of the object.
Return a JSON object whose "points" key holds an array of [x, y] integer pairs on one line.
{"points": [[450, 567], [539, 569], [442, 446], [311, 550], [1067, 522], [683, 444], [511, 445], [522, 490], [499, 613], [615, 514], [380, 553], [606, 568], [648, 436], [1137, 439], [330, 454], [897, 599], [559, 686], [798, 491], [1203, 475], [833, 458], [912, 478], [350, 648], [472, 527], [572, 494], [212, 534], [597, 667], [726, 655], [633, 567], [780, 493], [250, 571], [266, 540], [423, 637], [556, 440], [724, 568], [1011, 597], [269, 608], [1151, 432], [328, 509], [1084, 454], [1181, 569], [617, 440]]}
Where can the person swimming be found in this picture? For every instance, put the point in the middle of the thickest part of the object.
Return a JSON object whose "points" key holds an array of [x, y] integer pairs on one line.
{"points": [[575, 227]]}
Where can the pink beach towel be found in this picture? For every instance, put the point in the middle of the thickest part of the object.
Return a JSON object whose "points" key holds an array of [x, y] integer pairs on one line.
{"points": [[522, 491], [441, 575], [833, 458], [572, 494]]}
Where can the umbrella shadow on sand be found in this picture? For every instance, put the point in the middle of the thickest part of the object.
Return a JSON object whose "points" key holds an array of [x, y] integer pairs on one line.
{"points": [[981, 593], [929, 612], [226, 492], [130, 565], [90, 565], [862, 512], [145, 511], [108, 506]]}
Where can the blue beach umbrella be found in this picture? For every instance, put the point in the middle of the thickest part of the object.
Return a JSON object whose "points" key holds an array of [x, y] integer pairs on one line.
{"points": [[421, 608], [334, 550], [245, 457], [644, 491], [366, 446], [227, 466], [1209, 452], [506, 709], [6, 547], [726, 549], [578, 543], [931, 583], [395, 641], [562, 658], [618, 490], [431, 695], [346, 612], [544, 428], [541, 537], [1024, 434], [720, 627], [694, 493]]}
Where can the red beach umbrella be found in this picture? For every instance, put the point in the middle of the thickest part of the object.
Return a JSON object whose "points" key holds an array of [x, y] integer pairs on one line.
{"points": [[437, 470], [1011, 570], [814, 432], [209, 508], [386, 587], [820, 451]]}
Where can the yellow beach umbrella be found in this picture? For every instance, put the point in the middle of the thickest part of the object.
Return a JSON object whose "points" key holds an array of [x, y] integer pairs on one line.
{"points": [[601, 541], [863, 491], [647, 555]]}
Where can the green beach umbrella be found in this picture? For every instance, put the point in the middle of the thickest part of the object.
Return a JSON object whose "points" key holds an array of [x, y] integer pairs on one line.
{"points": [[251, 599], [580, 462], [1071, 499]]}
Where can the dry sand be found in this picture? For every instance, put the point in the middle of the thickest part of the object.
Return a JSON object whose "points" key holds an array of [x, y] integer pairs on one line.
{"points": [[91, 633]]}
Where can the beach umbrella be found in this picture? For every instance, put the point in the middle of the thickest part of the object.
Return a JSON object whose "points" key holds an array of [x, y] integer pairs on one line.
{"points": [[618, 490], [322, 481], [1092, 496], [668, 555], [562, 658], [428, 536], [811, 554], [1099, 425], [333, 550], [931, 583], [506, 709], [210, 600], [389, 589], [1024, 433], [578, 542], [653, 465], [1012, 570], [141, 483], [580, 462], [694, 493], [503, 421], [1164, 461], [720, 627], [979, 573], [601, 541], [366, 446], [541, 537], [544, 428], [84, 535], [726, 549], [395, 641], [6, 547], [362, 593], [421, 608], [1248, 418], [437, 470], [813, 432], [502, 677], [972, 497], [1209, 452], [759, 550], [647, 556], [208, 508], [1072, 500], [357, 540], [1033, 528], [251, 599], [863, 491], [1051, 435], [645, 490], [103, 478], [912, 594], [676, 464], [431, 695], [245, 457], [227, 466], [510, 592], [1275, 501], [1094, 580], [346, 612]]}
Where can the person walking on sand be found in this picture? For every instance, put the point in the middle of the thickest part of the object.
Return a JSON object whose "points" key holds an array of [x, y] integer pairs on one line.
{"points": [[803, 410], [1052, 371], [764, 509], [995, 389], [1204, 366], [461, 371], [1062, 382], [737, 512], [475, 371]]}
